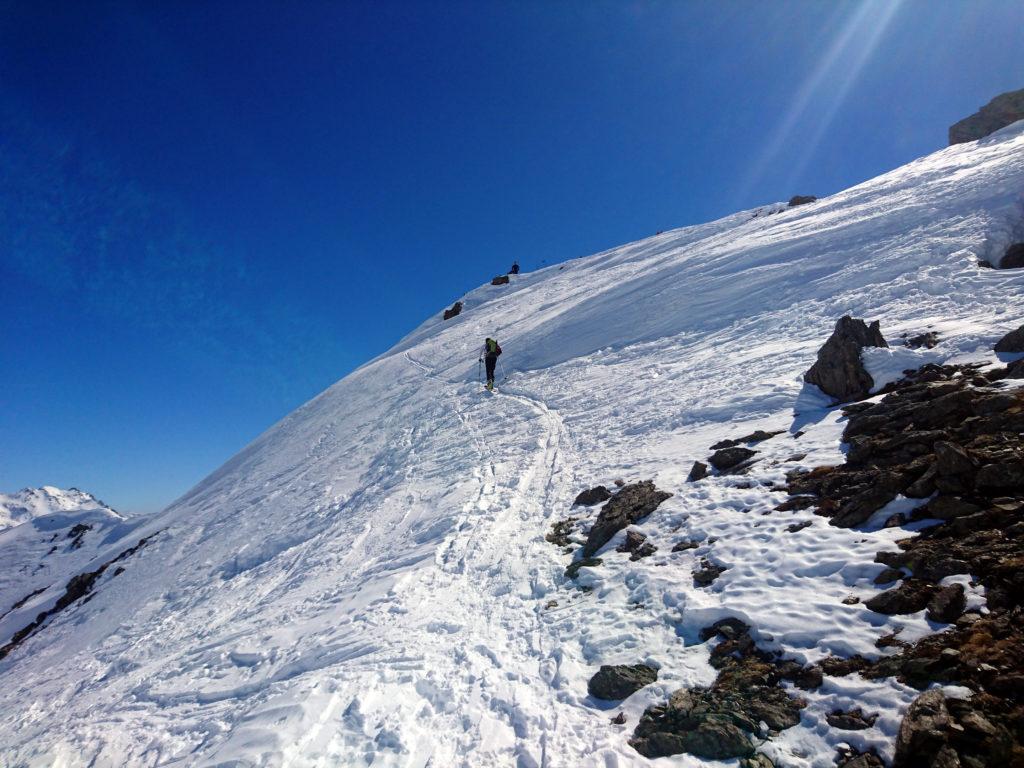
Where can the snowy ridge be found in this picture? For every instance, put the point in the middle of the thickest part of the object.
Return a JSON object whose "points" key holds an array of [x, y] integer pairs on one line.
{"points": [[30, 503], [368, 582]]}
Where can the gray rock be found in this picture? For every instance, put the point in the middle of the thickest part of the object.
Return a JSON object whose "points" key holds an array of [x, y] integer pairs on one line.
{"points": [[1004, 109], [909, 597], [1012, 342], [952, 459], [500, 280], [923, 730], [839, 371], [616, 682], [454, 311], [631, 504]]}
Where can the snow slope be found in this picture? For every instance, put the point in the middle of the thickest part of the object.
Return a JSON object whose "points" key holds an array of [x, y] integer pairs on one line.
{"points": [[30, 503], [368, 583]]}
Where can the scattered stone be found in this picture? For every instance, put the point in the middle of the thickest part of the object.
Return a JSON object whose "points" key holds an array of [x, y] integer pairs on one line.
{"points": [[454, 311], [796, 200], [631, 504], [616, 682], [584, 562], [759, 760], [799, 526], [1004, 109], [730, 458], [637, 545], [619, 719], [560, 530], [1013, 342], [839, 371], [619, 482], [698, 471], [853, 720], [500, 280], [593, 496], [550, 604], [850, 757], [851, 600], [707, 573]]}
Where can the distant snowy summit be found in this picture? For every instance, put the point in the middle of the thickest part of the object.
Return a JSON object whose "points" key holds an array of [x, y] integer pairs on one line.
{"points": [[30, 503]]}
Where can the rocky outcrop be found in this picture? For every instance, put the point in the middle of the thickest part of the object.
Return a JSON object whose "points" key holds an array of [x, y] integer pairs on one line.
{"points": [[1004, 109], [631, 504], [500, 280], [1011, 343], [796, 200], [839, 371], [928, 340], [1013, 258], [756, 436], [719, 722], [454, 311], [614, 683]]}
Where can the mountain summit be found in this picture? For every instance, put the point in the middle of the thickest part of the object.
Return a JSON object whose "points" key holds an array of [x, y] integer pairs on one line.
{"points": [[376, 580]]}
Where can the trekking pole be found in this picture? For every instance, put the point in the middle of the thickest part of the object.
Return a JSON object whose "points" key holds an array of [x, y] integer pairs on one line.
{"points": [[479, 377], [504, 378]]}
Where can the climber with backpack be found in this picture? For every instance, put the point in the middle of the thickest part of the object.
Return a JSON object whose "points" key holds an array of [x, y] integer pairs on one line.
{"points": [[515, 268], [490, 354]]}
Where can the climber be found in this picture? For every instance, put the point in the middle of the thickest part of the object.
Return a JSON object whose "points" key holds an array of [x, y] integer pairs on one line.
{"points": [[515, 268], [490, 354]]}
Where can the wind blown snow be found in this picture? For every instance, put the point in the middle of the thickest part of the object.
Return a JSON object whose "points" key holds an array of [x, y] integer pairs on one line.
{"points": [[368, 582]]}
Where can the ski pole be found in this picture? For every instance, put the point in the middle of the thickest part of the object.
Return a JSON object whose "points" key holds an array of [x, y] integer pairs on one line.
{"points": [[504, 378], [479, 376]]}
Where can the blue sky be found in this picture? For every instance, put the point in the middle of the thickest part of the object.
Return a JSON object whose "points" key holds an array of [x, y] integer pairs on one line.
{"points": [[211, 211]]}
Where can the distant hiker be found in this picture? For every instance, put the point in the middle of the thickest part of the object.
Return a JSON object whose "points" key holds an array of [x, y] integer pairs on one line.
{"points": [[515, 268], [490, 354]]}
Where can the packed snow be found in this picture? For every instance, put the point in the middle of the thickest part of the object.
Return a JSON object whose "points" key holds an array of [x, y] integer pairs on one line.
{"points": [[368, 584]]}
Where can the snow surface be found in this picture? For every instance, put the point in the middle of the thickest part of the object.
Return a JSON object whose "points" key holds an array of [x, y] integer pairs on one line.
{"points": [[368, 582]]}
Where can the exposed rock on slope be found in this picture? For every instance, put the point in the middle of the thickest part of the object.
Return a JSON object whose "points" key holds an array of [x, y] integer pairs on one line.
{"points": [[839, 371], [1004, 109], [632, 503]]}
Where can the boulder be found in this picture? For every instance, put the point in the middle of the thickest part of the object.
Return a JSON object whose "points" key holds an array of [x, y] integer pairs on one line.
{"points": [[593, 496], [617, 682], [631, 504], [1004, 109], [500, 280], [796, 200], [707, 573], [454, 311], [839, 371], [1013, 342], [928, 340], [573, 569], [730, 458], [854, 720], [1013, 258], [637, 545]]}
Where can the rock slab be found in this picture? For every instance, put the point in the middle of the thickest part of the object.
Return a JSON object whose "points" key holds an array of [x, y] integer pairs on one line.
{"points": [[839, 371]]}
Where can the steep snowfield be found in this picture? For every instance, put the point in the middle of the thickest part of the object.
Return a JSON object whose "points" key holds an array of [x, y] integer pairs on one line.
{"points": [[368, 582]]}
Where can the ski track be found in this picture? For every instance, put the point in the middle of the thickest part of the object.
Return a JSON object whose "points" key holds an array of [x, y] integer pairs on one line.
{"points": [[368, 584]]}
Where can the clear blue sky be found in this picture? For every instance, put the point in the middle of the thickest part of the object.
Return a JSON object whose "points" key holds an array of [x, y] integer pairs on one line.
{"points": [[211, 211]]}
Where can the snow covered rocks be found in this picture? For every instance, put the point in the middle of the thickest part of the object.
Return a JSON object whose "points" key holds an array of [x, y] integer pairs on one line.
{"points": [[1004, 109], [632, 503], [839, 371], [721, 722]]}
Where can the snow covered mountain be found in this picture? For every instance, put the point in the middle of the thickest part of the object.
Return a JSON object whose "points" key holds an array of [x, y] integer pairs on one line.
{"points": [[30, 503], [369, 583]]}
